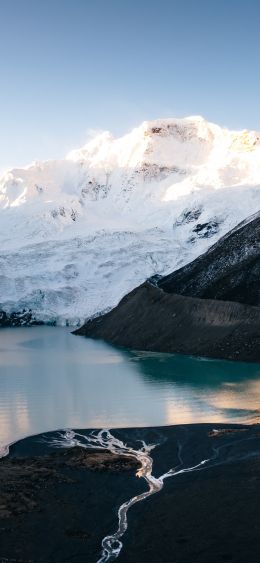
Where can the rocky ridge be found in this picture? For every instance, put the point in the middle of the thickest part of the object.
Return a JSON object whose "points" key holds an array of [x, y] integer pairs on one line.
{"points": [[229, 270]]}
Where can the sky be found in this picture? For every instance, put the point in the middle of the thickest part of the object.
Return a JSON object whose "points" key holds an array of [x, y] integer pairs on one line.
{"points": [[68, 67]]}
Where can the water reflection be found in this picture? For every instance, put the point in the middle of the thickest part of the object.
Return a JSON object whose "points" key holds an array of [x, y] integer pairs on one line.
{"points": [[51, 379], [215, 391], [204, 371]]}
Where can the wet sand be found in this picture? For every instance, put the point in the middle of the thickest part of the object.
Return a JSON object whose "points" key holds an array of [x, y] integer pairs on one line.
{"points": [[56, 505]]}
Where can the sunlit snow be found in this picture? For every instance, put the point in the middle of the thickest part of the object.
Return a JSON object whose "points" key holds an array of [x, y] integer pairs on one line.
{"points": [[79, 233]]}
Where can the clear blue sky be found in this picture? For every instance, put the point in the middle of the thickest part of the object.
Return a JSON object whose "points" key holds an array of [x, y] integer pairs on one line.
{"points": [[67, 66]]}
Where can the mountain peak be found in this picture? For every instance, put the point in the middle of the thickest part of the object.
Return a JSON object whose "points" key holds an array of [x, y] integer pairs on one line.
{"points": [[149, 201]]}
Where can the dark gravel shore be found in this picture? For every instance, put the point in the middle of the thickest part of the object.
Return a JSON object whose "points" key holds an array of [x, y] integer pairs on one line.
{"points": [[56, 505]]}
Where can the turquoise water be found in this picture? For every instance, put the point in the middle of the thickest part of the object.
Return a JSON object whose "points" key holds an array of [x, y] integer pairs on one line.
{"points": [[50, 379]]}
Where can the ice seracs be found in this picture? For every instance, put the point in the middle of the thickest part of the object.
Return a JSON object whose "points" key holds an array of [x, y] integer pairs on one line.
{"points": [[79, 233]]}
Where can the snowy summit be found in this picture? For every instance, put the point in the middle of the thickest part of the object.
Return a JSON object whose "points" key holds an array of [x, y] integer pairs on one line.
{"points": [[79, 233]]}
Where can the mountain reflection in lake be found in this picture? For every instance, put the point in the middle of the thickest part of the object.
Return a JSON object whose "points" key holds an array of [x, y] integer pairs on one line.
{"points": [[51, 379]]}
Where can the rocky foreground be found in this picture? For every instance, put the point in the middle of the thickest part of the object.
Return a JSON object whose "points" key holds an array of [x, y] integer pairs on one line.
{"points": [[58, 505]]}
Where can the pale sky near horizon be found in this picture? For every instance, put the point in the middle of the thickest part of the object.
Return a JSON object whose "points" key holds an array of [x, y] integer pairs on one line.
{"points": [[71, 66]]}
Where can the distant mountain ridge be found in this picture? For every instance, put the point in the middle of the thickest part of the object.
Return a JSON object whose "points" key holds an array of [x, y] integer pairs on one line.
{"points": [[78, 234]]}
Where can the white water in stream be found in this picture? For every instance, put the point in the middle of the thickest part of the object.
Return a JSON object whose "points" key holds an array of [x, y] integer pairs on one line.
{"points": [[104, 440]]}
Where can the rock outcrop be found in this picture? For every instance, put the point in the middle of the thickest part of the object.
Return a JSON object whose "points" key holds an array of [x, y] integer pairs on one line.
{"points": [[20, 318]]}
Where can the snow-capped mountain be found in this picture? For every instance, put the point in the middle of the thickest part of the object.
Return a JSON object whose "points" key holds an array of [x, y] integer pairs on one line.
{"points": [[79, 233]]}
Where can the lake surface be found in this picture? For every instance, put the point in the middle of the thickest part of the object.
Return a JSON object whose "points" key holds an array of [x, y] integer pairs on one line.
{"points": [[51, 379]]}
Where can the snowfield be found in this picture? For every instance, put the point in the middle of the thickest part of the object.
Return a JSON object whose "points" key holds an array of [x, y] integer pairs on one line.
{"points": [[78, 234]]}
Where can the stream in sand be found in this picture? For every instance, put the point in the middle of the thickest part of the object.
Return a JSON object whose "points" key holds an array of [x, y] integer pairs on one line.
{"points": [[105, 440]]}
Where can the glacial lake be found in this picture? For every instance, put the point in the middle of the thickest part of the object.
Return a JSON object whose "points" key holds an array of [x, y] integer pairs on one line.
{"points": [[51, 379]]}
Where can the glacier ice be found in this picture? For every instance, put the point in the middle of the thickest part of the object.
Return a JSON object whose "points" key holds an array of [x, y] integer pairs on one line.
{"points": [[78, 234]]}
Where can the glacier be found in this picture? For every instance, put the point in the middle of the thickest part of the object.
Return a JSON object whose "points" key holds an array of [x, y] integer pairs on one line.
{"points": [[78, 234]]}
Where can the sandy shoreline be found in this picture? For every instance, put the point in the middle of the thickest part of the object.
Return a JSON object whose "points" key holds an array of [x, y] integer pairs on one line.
{"points": [[58, 504]]}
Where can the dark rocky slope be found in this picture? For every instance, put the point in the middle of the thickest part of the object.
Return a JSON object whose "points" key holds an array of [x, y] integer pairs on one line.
{"points": [[150, 319], [229, 270], [212, 315]]}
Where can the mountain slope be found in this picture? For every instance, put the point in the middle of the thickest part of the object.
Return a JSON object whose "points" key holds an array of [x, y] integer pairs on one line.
{"points": [[150, 319], [153, 317], [230, 270], [78, 234]]}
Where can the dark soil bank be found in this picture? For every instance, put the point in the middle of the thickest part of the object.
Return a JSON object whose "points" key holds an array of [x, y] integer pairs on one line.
{"points": [[149, 318], [57, 505]]}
